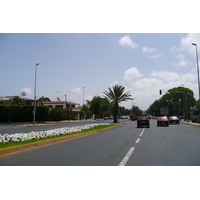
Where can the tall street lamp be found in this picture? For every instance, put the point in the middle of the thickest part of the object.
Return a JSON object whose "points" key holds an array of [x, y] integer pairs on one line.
{"points": [[197, 67], [83, 95], [83, 104], [34, 114]]}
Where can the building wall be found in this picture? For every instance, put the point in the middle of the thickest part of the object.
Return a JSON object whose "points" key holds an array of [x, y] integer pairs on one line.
{"points": [[60, 105]]}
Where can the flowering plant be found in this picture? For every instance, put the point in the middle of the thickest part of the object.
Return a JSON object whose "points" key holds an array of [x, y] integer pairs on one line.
{"points": [[19, 137]]}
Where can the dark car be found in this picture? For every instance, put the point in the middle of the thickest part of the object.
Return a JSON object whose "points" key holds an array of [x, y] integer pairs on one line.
{"points": [[133, 118], [163, 120], [143, 121], [174, 120]]}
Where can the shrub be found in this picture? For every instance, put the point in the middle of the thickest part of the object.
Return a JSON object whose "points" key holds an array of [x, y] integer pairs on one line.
{"points": [[57, 114]]}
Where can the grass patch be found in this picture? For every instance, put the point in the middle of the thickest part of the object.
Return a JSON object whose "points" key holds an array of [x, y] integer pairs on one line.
{"points": [[12, 144]]}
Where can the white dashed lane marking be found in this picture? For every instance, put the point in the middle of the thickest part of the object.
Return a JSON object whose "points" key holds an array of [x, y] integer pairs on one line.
{"points": [[127, 156], [142, 132], [129, 153], [137, 141]]}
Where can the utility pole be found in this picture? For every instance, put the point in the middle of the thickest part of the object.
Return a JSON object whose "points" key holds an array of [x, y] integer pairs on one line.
{"points": [[34, 114]]}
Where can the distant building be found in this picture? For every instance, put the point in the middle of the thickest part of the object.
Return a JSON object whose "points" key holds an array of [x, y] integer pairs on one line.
{"points": [[63, 104], [7, 100]]}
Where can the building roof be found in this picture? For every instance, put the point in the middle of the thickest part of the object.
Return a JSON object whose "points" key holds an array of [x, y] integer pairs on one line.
{"points": [[6, 98]]}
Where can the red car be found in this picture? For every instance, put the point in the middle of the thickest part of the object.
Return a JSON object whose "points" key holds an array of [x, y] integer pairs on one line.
{"points": [[174, 120], [163, 120], [143, 121]]}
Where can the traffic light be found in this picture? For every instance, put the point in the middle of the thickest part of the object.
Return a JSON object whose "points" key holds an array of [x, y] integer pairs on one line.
{"points": [[160, 92]]}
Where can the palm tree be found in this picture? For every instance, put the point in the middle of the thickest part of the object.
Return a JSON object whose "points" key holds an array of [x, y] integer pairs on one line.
{"points": [[116, 95]]}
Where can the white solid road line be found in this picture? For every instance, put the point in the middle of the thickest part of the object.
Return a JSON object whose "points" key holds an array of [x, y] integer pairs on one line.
{"points": [[127, 156], [142, 132]]}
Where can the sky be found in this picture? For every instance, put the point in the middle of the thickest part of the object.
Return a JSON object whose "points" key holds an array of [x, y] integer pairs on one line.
{"points": [[72, 62]]}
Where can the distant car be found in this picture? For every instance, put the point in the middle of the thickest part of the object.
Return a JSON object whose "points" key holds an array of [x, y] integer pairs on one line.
{"points": [[174, 120], [133, 118], [143, 121], [163, 120]]}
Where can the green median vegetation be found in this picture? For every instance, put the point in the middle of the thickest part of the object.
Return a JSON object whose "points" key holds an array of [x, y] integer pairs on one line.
{"points": [[12, 144]]}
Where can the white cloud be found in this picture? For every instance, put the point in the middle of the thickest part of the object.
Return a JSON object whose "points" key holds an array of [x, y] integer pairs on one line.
{"points": [[145, 85], [186, 44], [181, 56], [132, 73], [149, 52], [166, 75], [182, 61], [88, 97], [188, 77], [77, 90], [155, 56], [27, 90], [126, 41]]}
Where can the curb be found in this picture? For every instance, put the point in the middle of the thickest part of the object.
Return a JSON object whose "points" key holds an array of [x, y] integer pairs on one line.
{"points": [[190, 124], [51, 141]]}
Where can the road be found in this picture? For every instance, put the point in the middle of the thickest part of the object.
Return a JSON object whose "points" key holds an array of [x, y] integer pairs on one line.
{"points": [[126, 145]]}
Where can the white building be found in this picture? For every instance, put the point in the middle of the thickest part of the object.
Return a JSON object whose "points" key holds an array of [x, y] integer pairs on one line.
{"points": [[63, 104]]}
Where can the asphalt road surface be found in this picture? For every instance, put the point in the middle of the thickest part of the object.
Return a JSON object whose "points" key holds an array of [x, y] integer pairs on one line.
{"points": [[126, 145]]}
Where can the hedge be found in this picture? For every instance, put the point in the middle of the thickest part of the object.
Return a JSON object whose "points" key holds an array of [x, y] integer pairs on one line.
{"points": [[18, 113]]}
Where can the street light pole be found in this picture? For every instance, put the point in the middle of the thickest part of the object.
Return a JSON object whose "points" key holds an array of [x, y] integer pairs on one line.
{"points": [[34, 114], [83, 104], [83, 95], [197, 68]]}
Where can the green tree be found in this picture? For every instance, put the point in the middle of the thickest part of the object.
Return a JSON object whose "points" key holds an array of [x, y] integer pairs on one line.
{"points": [[177, 109], [46, 99], [86, 112], [96, 105], [16, 100], [124, 111], [116, 95], [183, 95], [136, 110], [154, 108], [178, 100]]}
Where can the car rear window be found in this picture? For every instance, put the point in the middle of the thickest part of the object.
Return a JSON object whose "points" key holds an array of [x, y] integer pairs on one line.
{"points": [[143, 118], [173, 117], [162, 118]]}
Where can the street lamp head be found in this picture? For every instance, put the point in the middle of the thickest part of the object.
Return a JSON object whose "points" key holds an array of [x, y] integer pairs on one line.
{"points": [[37, 64], [194, 44]]}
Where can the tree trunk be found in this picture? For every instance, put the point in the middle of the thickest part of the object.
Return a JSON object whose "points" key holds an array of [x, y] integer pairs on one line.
{"points": [[115, 112]]}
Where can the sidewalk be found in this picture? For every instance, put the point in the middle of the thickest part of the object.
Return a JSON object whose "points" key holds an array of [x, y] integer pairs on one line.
{"points": [[190, 123]]}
